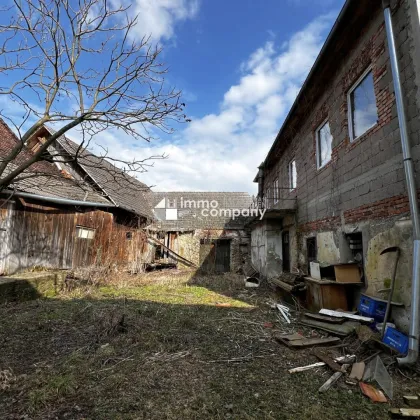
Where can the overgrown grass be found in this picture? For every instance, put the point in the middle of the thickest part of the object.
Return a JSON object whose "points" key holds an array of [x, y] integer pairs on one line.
{"points": [[163, 345]]}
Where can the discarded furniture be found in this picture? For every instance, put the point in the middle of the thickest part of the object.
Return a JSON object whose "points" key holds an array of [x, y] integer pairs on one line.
{"points": [[327, 294], [347, 273]]}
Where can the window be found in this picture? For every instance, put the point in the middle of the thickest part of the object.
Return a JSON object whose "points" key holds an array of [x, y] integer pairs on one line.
{"points": [[171, 203], [276, 190], [363, 113], [84, 232], [323, 144], [292, 175]]}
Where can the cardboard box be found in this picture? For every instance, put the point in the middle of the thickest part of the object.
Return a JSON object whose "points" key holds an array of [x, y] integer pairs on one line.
{"points": [[347, 273]]}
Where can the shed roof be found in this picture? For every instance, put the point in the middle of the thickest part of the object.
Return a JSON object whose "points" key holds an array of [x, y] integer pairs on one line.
{"points": [[126, 191], [189, 206], [44, 178]]}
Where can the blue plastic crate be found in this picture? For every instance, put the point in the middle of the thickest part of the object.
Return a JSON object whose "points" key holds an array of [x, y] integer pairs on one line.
{"points": [[369, 306], [397, 340]]}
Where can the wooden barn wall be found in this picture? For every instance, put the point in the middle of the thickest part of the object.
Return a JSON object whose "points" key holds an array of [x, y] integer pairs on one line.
{"points": [[37, 235]]}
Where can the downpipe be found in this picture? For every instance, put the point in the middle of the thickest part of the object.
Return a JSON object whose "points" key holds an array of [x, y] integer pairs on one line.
{"points": [[413, 351], [413, 340]]}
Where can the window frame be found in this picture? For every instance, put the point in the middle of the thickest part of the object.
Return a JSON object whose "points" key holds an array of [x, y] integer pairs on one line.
{"points": [[89, 230], [289, 170], [276, 190], [349, 111], [171, 204], [318, 147]]}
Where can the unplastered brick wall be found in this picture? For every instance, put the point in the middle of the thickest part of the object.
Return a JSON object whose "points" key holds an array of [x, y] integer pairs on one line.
{"points": [[369, 170], [382, 209]]}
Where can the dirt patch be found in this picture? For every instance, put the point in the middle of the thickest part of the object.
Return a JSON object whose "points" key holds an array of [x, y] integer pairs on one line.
{"points": [[165, 345]]}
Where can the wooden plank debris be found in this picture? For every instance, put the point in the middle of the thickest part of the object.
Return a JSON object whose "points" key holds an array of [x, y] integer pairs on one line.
{"points": [[405, 412], [412, 400], [341, 359], [327, 360], [337, 375], [342, 330], [306, 342], [324, 318], [307, 367], [339, 314], [291, 337], [357, 371]]}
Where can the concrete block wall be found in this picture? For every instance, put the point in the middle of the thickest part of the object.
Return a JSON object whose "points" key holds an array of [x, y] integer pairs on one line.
{"points": [[366, 175], [362, 189]]}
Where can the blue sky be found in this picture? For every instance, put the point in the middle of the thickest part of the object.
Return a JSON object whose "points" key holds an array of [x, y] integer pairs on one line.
{"points": [[207, 50], [240, 64]]}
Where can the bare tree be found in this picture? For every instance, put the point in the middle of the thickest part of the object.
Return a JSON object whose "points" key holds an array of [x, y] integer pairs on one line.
{"points": [[78, 64]]}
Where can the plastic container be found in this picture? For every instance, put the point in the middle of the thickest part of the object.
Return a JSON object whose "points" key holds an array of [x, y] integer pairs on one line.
{"points": [[369, 306], [395, 339]]}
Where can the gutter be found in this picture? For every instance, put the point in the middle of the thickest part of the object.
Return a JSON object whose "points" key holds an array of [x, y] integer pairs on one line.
{"points": [[339, 21], [64, 201], [413, 344]]}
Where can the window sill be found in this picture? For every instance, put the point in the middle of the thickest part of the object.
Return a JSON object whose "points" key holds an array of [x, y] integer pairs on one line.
{"points": [[366, 133], [321, 168]]}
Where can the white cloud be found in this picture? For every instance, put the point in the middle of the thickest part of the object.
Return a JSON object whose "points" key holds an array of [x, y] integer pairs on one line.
{"points": [[158, 18], [221, 151]]}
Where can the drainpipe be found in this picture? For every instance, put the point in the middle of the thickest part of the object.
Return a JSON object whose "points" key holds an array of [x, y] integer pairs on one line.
{"points": [[413, 351]]}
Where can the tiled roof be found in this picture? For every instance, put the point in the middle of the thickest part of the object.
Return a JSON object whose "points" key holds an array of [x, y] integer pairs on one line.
{"points": [[46, 179], [190, 218], [124, 190]]}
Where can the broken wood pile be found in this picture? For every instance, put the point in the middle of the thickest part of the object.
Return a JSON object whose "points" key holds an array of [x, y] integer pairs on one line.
{"points": [[413, 409], [289, 282], [353, 368]]}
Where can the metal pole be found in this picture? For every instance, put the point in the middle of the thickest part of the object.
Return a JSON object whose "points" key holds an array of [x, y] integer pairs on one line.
{"points": [[412, 193]]}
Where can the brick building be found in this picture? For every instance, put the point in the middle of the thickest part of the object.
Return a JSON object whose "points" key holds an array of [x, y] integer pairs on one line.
{"points": [[333, 181]]}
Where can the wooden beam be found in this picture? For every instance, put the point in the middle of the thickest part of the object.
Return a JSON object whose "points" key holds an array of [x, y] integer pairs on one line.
{"points": [[182, 259]]}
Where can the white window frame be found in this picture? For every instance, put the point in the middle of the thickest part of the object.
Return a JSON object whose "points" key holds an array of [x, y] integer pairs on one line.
{"points": [[318, 149], [289, 169], [171, 203], [83, 232], [276, 190], [349, 113]]}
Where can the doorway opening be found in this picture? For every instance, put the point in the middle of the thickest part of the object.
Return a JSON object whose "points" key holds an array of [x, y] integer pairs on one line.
{"points": [[285, 240]]}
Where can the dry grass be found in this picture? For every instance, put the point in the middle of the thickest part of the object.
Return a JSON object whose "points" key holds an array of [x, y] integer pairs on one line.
{"points": [[163, 345]]}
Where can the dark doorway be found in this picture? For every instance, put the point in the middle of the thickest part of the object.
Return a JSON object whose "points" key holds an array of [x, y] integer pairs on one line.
{"points": [[222, 264], [311, 251], [285, 240], [215, 255]]}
